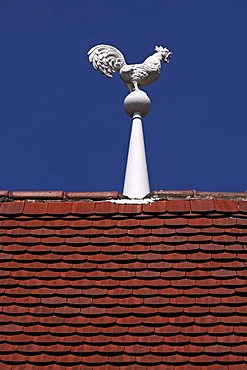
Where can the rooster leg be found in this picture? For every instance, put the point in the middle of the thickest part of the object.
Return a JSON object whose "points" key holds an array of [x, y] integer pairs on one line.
{"points": [[136, 88]]}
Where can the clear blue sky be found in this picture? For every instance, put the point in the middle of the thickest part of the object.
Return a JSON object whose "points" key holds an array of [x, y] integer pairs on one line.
{"points": [[62, 123]]}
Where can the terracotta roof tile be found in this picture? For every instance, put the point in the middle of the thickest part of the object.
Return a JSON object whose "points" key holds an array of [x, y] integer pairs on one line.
{"points": [[11, 208], [80, 208], [180, 206], [4, 193], [130, 208], [35, 208], [106, 208], [93, 195], [202, 206], [92, 284], [154, 207], [173, 194], [57, 194], [60, 208], [225, 206]]}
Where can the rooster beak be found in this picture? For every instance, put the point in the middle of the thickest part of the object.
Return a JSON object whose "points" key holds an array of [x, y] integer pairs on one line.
{"points": [[168, 55]]}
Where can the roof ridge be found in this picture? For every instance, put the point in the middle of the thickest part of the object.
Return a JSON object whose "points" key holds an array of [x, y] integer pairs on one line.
{"points": [[60, 195], [194, 194]]}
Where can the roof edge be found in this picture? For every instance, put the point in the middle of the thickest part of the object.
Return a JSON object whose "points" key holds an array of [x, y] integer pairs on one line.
{"points": [[60, 195]]}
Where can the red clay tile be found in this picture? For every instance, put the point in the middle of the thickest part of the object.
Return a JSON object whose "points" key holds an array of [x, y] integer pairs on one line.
{"points": [[173, 194], [67, 311], [42, 232], [37, 194], [4, 193], [202, 206], [224, 239], [93, 195], [149, 359], [164, 231], [103, 240], [136, 349], [202, 238], [74, 240], [79, 208], [11, 329], [5, 257], [106, 208], [202, 359], [16, 232], [217, 350], [35, 208], [28, 240], [151, 239], [242, 273], [24, 366], [176, 239], [188, 231], [110, 232], [205, 339], [130, 208], [11, 208], [229, 359], [40, 359], [151, 223], [59, 208], [175, 221], [30, 348], [221, 195], [225, 206], [243, 206], [53, 301], [180, 206], [13, 358], [178, 339], [240, 349], [195, 367], [233, 367], [241, 221], [225, 222], [200, 222], [155, 207]]}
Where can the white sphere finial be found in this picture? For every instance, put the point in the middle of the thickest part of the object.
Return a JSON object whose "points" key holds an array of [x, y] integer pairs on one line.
{"points": [[137, 102]]}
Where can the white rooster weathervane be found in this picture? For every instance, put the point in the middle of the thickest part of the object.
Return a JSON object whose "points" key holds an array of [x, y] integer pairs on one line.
{"points": [[137, 104]]}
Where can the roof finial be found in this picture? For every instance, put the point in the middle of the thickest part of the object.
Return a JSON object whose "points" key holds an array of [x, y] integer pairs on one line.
{"points": [[137, 104], [109, 60]]}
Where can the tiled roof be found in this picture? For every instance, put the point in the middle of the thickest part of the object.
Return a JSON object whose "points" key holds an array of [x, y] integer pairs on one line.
{"points": [[88, 283]]}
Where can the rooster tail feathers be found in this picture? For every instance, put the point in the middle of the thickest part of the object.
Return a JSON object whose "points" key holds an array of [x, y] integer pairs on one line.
{"points": [[106, 58]]}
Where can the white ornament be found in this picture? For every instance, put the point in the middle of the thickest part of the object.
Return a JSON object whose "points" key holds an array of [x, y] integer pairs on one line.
{"points": [[137, 105], [109, 60]]}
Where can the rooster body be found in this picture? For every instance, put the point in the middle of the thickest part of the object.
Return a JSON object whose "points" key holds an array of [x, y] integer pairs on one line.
{"points": [[108, 60]]}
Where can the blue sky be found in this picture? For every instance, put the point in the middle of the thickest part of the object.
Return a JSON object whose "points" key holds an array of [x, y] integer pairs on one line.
{"points": [[63, 124]]}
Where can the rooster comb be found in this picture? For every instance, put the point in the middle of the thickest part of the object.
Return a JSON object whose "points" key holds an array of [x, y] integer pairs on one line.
{"points": [[161, 49]]}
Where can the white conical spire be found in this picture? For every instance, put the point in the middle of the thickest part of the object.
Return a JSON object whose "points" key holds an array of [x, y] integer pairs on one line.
{"points": [[136, 185]]}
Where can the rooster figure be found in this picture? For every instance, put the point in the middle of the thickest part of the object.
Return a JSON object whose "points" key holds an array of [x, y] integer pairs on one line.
{"points": [[108, 60]]}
